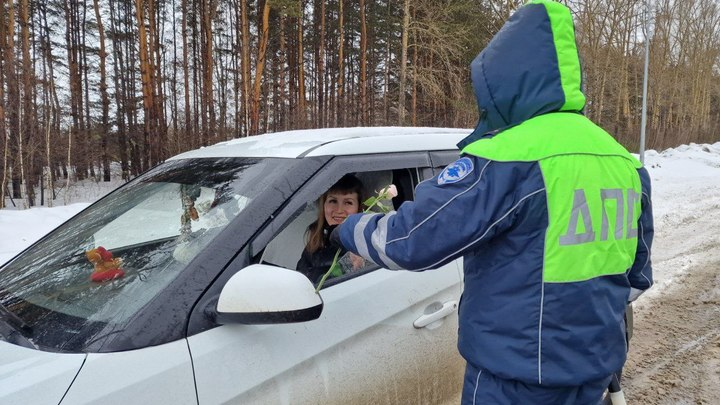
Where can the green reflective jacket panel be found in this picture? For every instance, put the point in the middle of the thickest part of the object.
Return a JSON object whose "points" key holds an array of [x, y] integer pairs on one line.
{"points": [[593, 192]]}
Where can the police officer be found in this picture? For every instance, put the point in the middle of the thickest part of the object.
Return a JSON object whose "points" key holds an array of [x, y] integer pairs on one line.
{"points": [[551, 215]]}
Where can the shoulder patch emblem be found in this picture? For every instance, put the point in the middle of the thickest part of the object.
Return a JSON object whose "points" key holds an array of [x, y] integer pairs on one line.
{"points": [[456, 171]]}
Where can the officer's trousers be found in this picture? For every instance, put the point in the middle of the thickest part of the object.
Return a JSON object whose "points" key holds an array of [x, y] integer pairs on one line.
{"points": [[482, 388]]}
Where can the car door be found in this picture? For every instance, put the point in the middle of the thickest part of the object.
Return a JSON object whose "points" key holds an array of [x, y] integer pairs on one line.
{"points": [[383, 336]]}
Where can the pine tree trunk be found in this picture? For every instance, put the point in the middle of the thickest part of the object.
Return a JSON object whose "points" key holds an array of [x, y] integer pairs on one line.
{"points": [[196, 82], [245, 65], [145, 74], [413, 110], [160, 136], [186, 73], [13, 97], [364, 118], [28, 110], [209, 112], [173, 90], [340, 109], [85, 118], [3, 133], [237, 74], [302, 102], [386, 71], [283, 113], [321, 68], [403, 63], [120, 101], [48, 146], [104, 99], [262, 48], [72, 43], [51, 106]]}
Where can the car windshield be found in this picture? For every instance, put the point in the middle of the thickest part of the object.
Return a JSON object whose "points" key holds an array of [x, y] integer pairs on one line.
{"points": [[104, 264]]}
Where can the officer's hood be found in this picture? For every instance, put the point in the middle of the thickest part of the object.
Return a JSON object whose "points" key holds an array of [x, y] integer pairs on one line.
{"points": [[530, 67]]}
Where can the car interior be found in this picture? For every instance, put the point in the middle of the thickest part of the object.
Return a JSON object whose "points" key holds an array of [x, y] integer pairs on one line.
{"points": [[285, 249]]}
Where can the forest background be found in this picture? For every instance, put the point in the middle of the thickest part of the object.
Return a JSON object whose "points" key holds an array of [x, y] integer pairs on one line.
{"points": [[85, 84]]}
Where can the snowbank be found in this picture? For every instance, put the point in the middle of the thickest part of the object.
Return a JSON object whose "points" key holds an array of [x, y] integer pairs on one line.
{"points": [[20, 228]]}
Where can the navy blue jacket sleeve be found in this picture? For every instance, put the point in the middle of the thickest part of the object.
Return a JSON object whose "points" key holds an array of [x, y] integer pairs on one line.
{"points": [[446, 219], [640, 274]]}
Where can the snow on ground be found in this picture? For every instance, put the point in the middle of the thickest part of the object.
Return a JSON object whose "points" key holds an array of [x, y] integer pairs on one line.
{"points": [[20, 228], [686, 186]]}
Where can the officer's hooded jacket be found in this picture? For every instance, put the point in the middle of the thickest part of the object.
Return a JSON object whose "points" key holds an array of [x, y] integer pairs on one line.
{"points": [[550, 213]]}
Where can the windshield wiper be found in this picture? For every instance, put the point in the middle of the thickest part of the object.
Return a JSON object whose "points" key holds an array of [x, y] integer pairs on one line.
{"points": [[13, 319], [10, 330]]}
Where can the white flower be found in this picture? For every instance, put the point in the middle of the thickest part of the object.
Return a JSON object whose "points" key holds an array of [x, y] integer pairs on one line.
{"points": [[389, 191]]}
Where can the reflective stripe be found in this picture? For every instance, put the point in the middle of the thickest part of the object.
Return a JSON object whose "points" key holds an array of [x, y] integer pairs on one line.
{"points": [[579, 207], [617, 195], [477, 381], [647, 249], [378, 238], [540, 326], [633, 200], [359, 237], [484, 233], [441, 207]]}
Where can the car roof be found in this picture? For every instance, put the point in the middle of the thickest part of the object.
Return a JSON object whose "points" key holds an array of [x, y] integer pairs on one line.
{"points": [[334, 142]]}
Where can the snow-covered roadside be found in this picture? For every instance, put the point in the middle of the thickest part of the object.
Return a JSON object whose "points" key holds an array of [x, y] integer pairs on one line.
{"points": [[675, 350], [686, 188], [20, 228]]}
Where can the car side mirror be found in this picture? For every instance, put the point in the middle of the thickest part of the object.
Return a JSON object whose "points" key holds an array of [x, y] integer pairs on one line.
{"points": [[263, 294]]}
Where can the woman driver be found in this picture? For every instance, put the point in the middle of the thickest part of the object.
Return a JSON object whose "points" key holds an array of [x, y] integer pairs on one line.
{"points": [[340, 201]]}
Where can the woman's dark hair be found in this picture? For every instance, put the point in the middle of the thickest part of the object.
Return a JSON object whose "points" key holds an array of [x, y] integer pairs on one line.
{"points": [[346, 185]]}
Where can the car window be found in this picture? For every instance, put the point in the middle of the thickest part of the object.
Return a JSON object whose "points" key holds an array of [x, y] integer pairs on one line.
{"points": [[286, 248], [440, 159]]}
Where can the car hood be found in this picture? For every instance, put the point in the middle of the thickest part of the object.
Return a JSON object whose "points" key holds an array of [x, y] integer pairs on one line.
{"points": [[29, 376]]}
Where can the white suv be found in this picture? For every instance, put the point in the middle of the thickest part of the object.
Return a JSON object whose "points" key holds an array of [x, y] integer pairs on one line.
{"points": [[207, 308]]}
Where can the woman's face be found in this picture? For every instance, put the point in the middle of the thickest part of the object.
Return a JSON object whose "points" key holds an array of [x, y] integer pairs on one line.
{"points": [[339, 205]]}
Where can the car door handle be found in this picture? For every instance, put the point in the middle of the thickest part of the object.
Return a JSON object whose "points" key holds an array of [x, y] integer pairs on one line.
{"points": [[425, 320]]}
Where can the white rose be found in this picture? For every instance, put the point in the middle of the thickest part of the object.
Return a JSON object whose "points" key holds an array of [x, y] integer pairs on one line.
{"points": [[390, 191]]}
